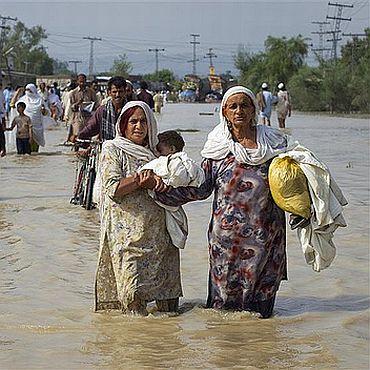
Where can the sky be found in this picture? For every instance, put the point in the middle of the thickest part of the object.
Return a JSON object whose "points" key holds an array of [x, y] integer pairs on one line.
{"points": [[132, 28]]}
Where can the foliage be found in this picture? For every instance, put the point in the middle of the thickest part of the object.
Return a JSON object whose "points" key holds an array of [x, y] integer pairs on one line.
{"points": [[27, 47], [280, 60], [121, 66], [165, 76], [334, 85]]}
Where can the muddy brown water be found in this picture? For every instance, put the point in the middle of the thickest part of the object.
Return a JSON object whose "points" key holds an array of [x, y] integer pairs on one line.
{"points": [[48, 253]]}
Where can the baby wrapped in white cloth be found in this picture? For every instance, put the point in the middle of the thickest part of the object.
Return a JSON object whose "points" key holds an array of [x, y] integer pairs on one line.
{"points": [[176, 169]]}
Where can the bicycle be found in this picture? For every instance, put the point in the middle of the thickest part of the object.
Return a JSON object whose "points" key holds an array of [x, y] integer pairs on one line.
{"points": [[86, 170]]}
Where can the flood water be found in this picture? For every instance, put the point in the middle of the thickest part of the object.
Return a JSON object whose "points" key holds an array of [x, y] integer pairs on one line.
{"points": [[48, 254]]}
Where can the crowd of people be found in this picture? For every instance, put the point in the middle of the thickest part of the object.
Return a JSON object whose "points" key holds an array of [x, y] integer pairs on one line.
{"points": [[144, 177], [74, 104]]}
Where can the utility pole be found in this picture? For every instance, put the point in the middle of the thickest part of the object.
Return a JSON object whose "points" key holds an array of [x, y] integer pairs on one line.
{"points": [[210, 55], [4, 28], [75, 62], [336, 25], [194, 60], [320, 49], [91, 61], [156, 50]]}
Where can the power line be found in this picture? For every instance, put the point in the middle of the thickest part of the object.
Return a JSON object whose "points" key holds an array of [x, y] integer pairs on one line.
{"points": [[91, 60], [336, 26], [156, 50], [194, 60]]}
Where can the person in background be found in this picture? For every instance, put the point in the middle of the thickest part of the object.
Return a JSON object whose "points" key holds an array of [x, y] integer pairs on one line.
{"points": [[144, 95], [44, 93], [24, 130], [2, 123], [283, 107], [56, 89], [99, 95], [8, 94], [265, 101], [83, 102], [35, 109], [55, 105], [66, 103], [158, 101], [130, 94], [103, 121]]}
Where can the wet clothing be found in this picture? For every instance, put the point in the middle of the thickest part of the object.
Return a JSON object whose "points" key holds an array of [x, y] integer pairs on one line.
{"points": [[283, 104], [268, 100], [79, 116], [34, 105], [23, 124], [137, 260], [23, 146], [246, 233]]}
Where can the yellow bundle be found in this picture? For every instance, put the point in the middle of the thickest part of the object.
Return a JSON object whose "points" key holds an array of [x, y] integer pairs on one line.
{"points": [[288, 186]]}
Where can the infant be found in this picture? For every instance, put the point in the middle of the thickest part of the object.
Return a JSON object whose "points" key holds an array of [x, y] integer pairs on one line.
{"points": [[176, 169]]}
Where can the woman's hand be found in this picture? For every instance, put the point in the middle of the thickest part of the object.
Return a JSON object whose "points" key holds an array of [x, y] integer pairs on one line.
{"points": [[147, 180]]}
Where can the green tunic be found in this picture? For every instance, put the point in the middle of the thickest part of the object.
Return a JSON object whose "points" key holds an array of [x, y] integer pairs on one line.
{"points": [[137, 259]]}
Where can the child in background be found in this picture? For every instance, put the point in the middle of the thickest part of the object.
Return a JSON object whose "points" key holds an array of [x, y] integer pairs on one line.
{"points": [[24, 130]]}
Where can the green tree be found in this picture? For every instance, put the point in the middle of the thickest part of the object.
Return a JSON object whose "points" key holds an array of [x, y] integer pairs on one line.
{"points": [[27, 47], [280, 60], [121, 66], [284, 57], [306, 88], [165, 76]]}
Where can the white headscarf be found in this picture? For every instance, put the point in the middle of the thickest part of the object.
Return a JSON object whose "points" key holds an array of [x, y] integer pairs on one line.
{"points": [[220, 143], [34, 103], [32, 96], [135, 150]]}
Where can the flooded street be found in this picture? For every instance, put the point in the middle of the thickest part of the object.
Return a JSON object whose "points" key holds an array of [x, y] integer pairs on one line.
{"points": [[48, 255]]}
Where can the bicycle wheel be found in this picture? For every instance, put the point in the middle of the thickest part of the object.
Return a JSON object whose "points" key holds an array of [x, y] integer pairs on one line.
{"points": [[90, 188], [76, 198]]}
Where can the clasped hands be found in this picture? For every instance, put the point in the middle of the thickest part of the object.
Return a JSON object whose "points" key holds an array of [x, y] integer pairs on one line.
{"points": [[147, 179]]}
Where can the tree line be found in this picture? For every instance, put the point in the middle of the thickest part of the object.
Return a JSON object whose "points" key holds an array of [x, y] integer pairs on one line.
{"points": [[332, 85], [340, 85]]}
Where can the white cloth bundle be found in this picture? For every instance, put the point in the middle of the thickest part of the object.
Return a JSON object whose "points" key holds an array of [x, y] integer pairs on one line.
{"points": [[176, 170], [327, 204]]}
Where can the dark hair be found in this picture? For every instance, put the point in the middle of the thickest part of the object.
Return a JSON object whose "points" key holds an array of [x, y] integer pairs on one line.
{"points": [[124, 122], [117, 81], [22, 104], [143, 85], [172, 138]]}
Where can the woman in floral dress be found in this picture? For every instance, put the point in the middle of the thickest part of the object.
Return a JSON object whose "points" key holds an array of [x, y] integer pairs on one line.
{"points": [[137, 260], [247, 256]]}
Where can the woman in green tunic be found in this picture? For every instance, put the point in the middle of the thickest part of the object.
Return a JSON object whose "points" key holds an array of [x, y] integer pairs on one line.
{"points": [[137, 261]]}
